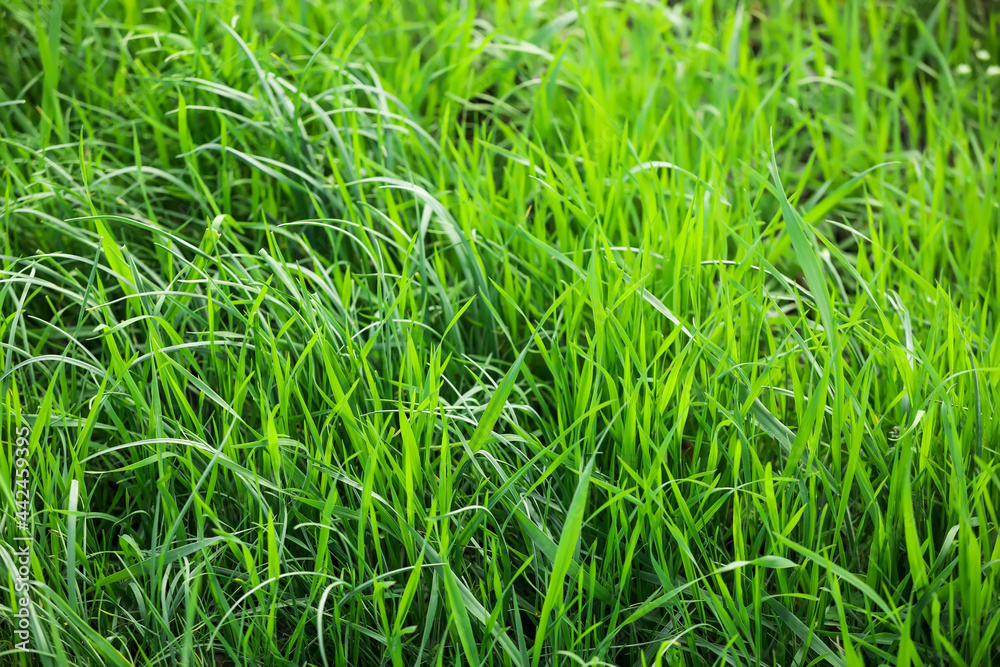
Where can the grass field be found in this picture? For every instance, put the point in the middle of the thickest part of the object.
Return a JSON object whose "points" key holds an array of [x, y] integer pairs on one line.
{"points": [[513, 334]]}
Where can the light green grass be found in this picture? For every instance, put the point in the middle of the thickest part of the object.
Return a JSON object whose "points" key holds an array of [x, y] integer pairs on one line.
{"points": [[519, 333]]}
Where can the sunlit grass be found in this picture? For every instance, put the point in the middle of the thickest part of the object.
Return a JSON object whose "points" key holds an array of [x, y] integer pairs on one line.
{"points": [[524, 333]]}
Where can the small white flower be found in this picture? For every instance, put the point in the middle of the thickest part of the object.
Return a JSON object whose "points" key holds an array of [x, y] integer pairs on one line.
{"points": [[993, 70], [963, 70], [983, 54]]}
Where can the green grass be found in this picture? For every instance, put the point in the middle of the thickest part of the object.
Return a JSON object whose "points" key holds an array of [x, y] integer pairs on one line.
{"points": [[516, 333]]}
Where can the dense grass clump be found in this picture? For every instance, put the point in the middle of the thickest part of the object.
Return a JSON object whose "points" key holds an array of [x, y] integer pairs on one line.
{"points": [[518, 333]]}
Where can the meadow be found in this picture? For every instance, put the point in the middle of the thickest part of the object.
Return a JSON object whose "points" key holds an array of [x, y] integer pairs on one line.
{"points": [[525, 333]]}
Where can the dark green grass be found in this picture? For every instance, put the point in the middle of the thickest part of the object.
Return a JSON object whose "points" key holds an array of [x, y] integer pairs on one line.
{"points": [[526, 333]]}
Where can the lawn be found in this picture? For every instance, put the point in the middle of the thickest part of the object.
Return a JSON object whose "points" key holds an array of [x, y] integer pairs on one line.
{"points": [[525, 333]]}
